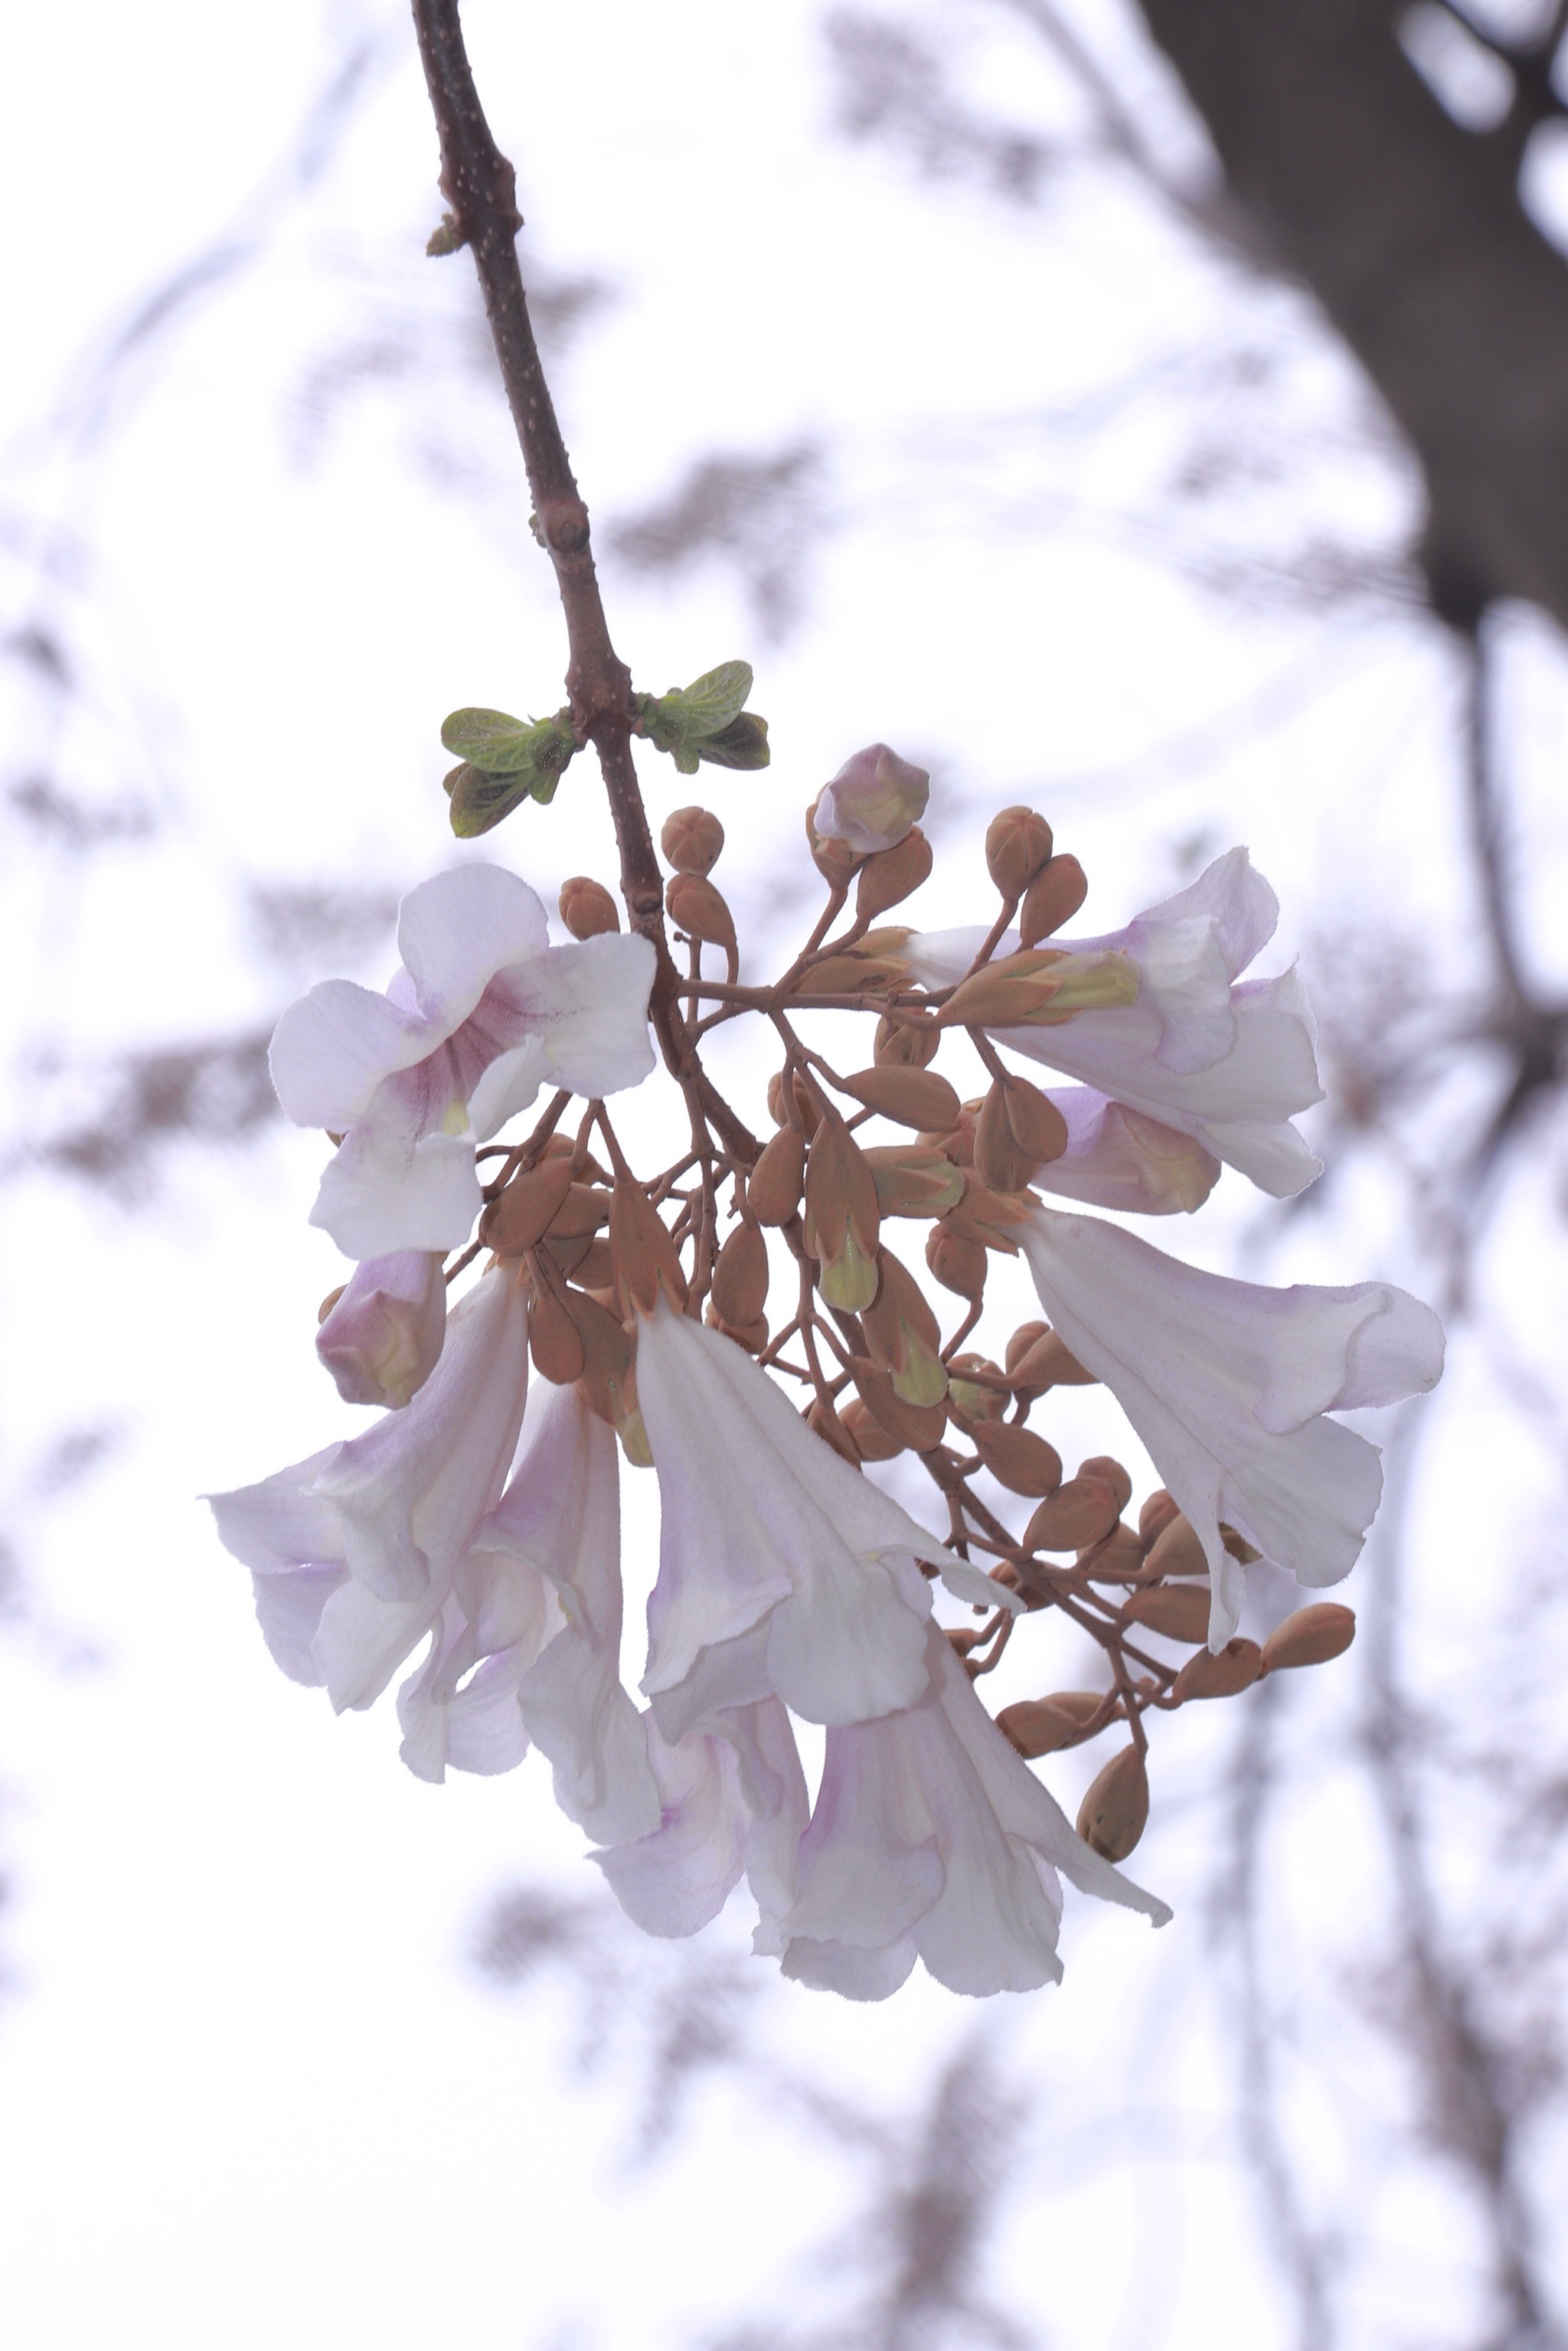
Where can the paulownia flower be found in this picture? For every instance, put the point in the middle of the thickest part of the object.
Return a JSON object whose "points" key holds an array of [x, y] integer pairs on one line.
{"points": [[1228, 1062], [733, 1799], [782, 1570], [1117, 1158], [1229, 1383], [483, 1012], [383, 1337], [873, 801], [932, 1839]]}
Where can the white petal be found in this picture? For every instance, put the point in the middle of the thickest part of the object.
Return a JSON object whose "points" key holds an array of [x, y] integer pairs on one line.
{"points": [[282, 1522], [388, 1188], [289, 1609], [456, 931], [1117, 1158], [383, 1338], [361, 1641], [331, 1049], [673, 1881], [588, 1005], [509, 1085]]}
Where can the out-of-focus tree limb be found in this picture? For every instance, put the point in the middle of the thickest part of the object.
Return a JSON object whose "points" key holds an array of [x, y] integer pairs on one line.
{"points": [[1410, 230]]}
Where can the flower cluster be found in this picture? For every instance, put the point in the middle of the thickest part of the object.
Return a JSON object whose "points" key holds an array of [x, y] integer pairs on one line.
{"points": [[747, 1324]]}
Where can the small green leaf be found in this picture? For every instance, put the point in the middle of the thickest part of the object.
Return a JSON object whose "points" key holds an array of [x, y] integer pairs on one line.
{"points": [[479, 802], [742, 744], [489, 739], [708, 706]]}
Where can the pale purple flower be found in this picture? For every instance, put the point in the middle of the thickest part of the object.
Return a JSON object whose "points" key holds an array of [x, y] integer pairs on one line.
{"points": [[733, 1799], [782, 1570], [1227, 1060], [1117, 1158], [354, 1552], [873, 801], [483, 1013], [382, 1339], [932, 1839], [1229, 1383]]}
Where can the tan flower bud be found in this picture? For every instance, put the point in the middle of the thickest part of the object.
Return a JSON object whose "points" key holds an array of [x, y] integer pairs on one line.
{"points": [[691, 840], [586, 907], [893, 876], [773, 1188], [920, 1428], [998, 1162], [1175, 1550], [917, 1098], [647, 1266], [1040, 1726], [1052, 899], [1117, 1558], [696, 907], [967, 1396], [1116, 1809], [988, 1216], [581, 1214], [1179, 1612], [831, 1430], [903, 1335], [867, 1435], [740, 1277], [1235, 1669], [834, 859], [1157, 1514], [605, 1383], [555, 1340], [1038, 1128], [805, 1103], [1109, 1472], [1022, 1340], [842, 1219], [1018, 1459], [959, 1263], [1311, 1637], [912, 1181], [1077, 1514], [1048, 1364], [752, 1336], [596, 1267], [1018, 846], [1041, 987], [523, 1211], [909, 1042]]}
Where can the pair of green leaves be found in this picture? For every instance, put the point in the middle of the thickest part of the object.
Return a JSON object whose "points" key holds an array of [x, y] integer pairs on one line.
{"points": [[505, 760], [707, 720]]}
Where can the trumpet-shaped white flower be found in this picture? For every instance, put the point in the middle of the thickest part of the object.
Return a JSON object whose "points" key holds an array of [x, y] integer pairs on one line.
{"points": [[733, 1799], [1228, 1062], [383, 1337], [354, 1552], [782, 1570], [1117, 1158], [483, 1012], [932, 1839], [1229, 1383]]}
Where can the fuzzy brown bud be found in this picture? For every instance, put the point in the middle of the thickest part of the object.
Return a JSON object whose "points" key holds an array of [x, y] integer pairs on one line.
{"points": [[1179, 1611], [998, 1162], [834, 859], [1039, 1129], [1116, 1558], [1040, 987], [842, 1219], [1077, 1514], [1041, 1726], [903, 1336], [586, 908], [1236, 1667], [647, 1266], [1311, 1637], [1116, 1809], [807, 1106], [870, 1439], [918, 1426], [1052, 899], [554, 1340], [1025, 1464], [1048, 1363], [773, 1188], [893, 876], [912, 1181], [1022, 1340], [1175, 1550], [740, 1277], [831, 1430], [522, 1213], [959, 1263], [1107, 1471], [967, 1396], [908, 1042], [691, 840], [1157, 1514], [696, 907], [917, 1098], [1018, 846]]}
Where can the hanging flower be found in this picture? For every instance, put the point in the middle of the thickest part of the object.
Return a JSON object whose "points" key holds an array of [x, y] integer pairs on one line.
{"points": [[1229, 1383], [873, 801], [1228, 1062], [932, 1839], [1117, 1158], [483, 1013], [782, 1570], [384, 1335]]}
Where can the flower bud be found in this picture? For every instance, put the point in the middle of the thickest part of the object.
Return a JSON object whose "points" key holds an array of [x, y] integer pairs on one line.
{"points": [[959, 1263], [967, 1398], [917, 1098], [909, 1042], [998, 1162], [874, 965], [521, 1213], [1018, 847], [554, 1340], [1039, 1129], [1048, 1364], [1179, 1612], [1236, 1667], [1175, 1550], [605, 1384], [867, 1435], [831, 1430], [912, 1181], [893, 876], [1052, 899], [691, 840], [918, 1426], [586, 907], [382, 1338], [842, 1218], [835, 861], [1041, 1726], [1018, 1459], [740, 1277], [752, 1336], [1115, 1809], [1116, 1558], [1077, 1514], [1041, 987], [773, 1188], [903, 1335], [873, 801], [1109, 1472], [988, 1217], [805, 1103], [1022, 1340], [696, 907], [1157, 1514], [1311, 1637], [647, 1265]]}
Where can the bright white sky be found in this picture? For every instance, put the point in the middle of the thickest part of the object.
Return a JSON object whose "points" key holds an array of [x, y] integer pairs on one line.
{"points": [[253, 2094]]}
